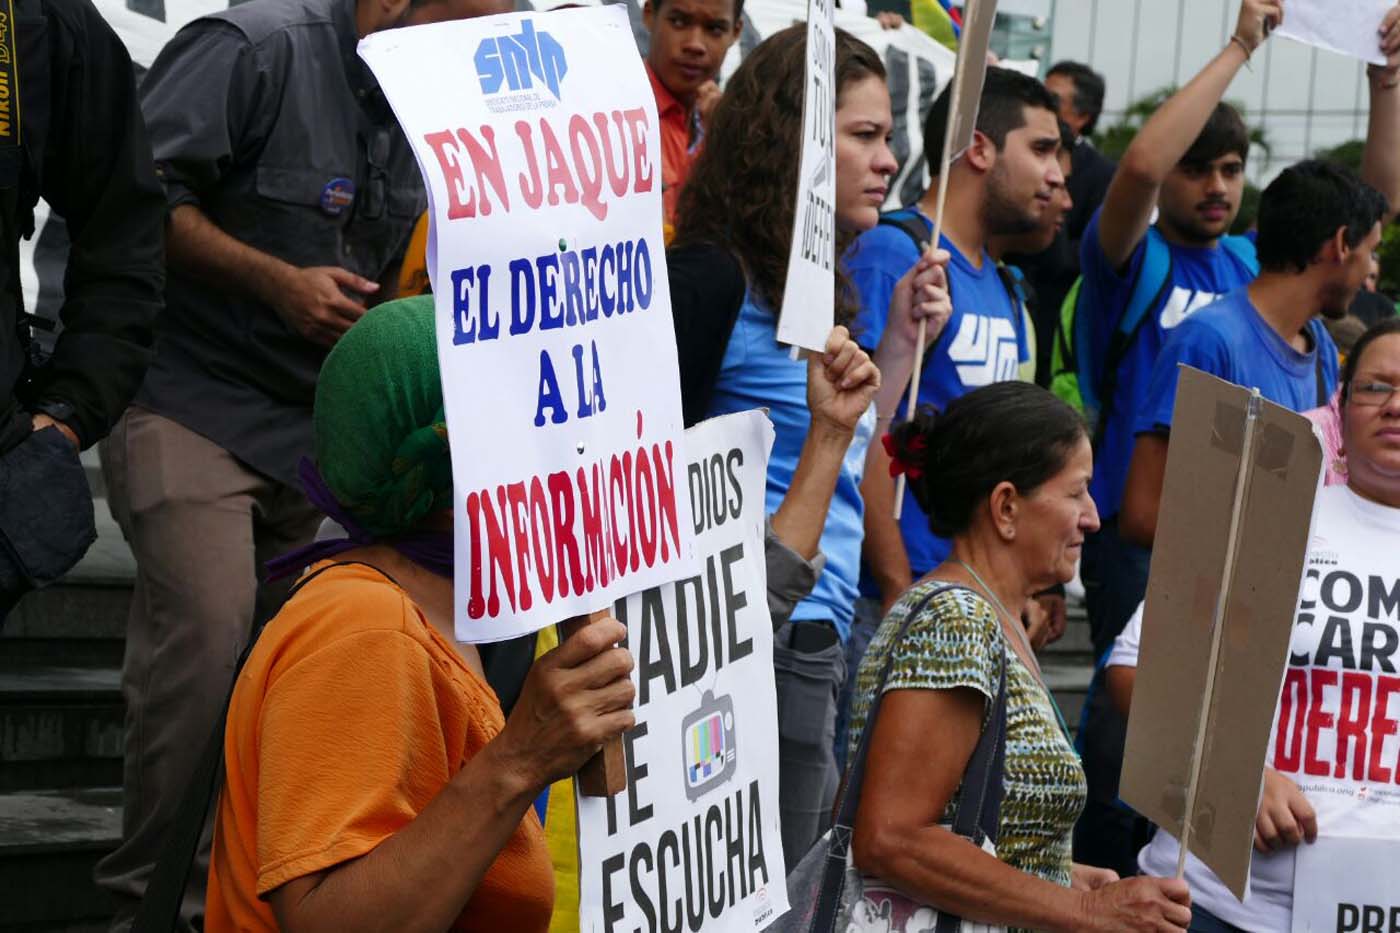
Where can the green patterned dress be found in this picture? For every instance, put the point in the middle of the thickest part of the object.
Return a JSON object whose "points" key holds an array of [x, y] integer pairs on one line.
{"points": [[957, 642]]}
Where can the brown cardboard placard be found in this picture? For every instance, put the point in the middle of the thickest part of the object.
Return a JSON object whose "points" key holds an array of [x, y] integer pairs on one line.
{"points": [[1236, 510]]}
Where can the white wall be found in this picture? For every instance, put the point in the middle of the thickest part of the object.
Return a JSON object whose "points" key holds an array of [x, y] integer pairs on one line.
{"points": [[1305, 99]]}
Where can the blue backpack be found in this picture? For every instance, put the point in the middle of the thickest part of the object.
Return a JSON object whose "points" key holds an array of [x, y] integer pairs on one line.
{"points": [[1089, 383]]}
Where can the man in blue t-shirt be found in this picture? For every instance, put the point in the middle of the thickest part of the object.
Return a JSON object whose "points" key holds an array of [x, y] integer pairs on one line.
{"points": [[1004, 184], [1319, 226], [1186, 165]]}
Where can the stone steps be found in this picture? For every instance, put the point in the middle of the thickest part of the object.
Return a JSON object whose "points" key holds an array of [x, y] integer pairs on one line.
{"points": [[49, 842]]}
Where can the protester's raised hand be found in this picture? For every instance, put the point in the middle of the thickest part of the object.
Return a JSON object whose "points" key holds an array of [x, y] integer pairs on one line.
{"points": [[1037, 623], [575, 698], [1285, 817], [707, 97], [841, 382], [313, 301], [1251, 27], [1058, 613], [1143, 904], [1389, 33], [920, 295]]}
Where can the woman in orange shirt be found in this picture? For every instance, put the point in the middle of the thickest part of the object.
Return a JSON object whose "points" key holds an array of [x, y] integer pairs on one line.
{"points": [[372, 781]]}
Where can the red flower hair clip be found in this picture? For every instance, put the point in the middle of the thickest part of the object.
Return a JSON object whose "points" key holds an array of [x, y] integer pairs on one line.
{"points": [[899, 465]]}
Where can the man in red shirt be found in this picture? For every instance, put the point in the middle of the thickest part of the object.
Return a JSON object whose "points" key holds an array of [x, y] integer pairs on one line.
{"points": [[689, 39]]}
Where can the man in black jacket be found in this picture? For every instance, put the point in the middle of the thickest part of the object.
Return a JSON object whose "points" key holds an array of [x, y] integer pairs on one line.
{"points": [[70, 132]]}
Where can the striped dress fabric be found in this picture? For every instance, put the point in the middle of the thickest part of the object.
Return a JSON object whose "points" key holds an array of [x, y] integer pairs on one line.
{"points": [[956, 642]]}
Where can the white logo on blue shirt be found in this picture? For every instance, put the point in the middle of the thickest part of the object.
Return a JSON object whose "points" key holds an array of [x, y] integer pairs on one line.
{"points": [[1183, 303], [985, 351]]}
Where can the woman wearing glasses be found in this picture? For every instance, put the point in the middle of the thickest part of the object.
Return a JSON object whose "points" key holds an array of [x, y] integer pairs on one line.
{"points": [[1333, 757]]}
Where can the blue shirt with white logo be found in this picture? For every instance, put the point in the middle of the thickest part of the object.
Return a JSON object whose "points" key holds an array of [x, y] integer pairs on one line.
{"points": [[1199, 276], [1231, 340], [983, 342], [759, 372]]}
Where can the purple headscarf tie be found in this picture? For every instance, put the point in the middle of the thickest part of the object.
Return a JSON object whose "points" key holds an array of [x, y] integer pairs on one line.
{"points": [[431, 550]]}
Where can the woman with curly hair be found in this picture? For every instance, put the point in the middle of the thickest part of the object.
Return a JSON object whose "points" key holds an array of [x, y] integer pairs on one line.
{"points": [[728, 269]]}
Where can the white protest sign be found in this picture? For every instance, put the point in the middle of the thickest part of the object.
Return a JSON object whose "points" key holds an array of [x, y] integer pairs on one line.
{"points": [[809, 292], [538, 141], [1346, 885], [693, 841], [1351, 27]]}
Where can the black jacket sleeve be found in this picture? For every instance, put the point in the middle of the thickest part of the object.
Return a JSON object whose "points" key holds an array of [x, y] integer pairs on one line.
{"points": [[98, 174], [707, 291]]}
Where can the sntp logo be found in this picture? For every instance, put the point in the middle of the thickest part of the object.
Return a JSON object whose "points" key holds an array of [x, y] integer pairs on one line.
{"points": [[520, 62]]}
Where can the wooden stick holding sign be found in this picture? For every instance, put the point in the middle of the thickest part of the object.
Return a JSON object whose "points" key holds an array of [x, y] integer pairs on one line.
{"points": [[968, 77], [605, 774], [1217, 627]]}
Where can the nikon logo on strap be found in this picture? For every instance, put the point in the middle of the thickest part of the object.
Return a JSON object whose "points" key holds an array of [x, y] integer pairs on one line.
{"points": [[9, 77]]}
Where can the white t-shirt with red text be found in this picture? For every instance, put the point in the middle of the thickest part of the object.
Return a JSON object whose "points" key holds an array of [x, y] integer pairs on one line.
{"points": [[1337, 726]]}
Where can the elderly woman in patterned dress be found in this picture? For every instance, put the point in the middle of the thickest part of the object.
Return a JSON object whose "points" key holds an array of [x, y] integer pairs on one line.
{"points": [[1003, 471]]}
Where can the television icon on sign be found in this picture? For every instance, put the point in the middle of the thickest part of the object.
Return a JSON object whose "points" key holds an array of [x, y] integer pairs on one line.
{"points": [[707, 745]]}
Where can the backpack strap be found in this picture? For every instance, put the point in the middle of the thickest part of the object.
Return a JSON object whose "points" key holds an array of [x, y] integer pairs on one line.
{"points": [[160, 907], [912, 223], [1019, 290], [1149, 288], [1243, 250]]}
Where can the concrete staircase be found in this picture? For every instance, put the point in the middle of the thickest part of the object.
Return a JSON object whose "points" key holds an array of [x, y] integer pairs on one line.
{"points": [[61, 733], [61, 737]]}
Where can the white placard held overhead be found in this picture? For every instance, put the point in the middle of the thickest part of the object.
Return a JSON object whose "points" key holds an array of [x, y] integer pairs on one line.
{"points": [[694, 840], [809, 292], [1350, 27], [538, 140]]}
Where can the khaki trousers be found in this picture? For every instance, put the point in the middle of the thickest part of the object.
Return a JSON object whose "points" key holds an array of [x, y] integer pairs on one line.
{"points": [[201, 524]]}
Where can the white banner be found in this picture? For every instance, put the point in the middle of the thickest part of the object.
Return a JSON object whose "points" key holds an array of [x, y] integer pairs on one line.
{"points": [[1351, 27], [809, 295], [539, 145], [1346, 885], [694, 842]]}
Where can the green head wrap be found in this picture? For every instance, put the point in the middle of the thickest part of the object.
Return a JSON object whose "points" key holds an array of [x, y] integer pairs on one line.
{"points": [[381, 437]]}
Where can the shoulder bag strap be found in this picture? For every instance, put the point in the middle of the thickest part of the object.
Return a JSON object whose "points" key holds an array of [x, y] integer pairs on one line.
{"points": [[160, 907]]}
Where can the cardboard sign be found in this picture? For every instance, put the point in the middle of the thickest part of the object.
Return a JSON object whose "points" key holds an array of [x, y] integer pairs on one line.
{"points": [[1350, 27], [968, 78], [809, 295], [1227, 566], [693, 841], [1347, 886], [543, 170]]}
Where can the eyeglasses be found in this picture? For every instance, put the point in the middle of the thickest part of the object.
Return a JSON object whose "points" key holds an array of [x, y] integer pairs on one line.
{"points": [[1371, 394]]}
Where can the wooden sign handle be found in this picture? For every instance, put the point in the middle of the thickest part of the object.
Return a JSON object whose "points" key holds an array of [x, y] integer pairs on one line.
{"points": [[605, 774]]}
